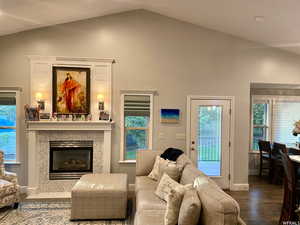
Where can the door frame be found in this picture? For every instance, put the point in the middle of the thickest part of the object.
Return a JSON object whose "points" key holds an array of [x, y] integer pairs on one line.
{"points": [[231, 128]]}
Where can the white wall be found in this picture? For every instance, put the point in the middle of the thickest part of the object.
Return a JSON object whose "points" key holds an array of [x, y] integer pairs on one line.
{"points": [[155, 52]]}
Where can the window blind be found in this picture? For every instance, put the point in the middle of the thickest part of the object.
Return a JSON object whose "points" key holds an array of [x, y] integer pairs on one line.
{"points": [[136, 105], [285, 114], [7, 98]]}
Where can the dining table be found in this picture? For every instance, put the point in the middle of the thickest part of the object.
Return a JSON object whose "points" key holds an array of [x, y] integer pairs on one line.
{"points": [[295, 158]]}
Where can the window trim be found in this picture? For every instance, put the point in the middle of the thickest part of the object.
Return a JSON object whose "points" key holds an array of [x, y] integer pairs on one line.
{"points": [[122, 124], [263, 100], [18, 123]]}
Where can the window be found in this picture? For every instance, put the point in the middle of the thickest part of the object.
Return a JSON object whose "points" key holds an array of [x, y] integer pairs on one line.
{"points": [[136, 128], [260, 124], [285, 114], [8, 125], [273, 119]]}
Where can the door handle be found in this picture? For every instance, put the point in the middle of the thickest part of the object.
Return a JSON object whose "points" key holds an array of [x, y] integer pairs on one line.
{"points": [[192, 146]]}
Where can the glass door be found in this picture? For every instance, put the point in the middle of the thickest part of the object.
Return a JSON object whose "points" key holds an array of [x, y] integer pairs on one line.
{"points": [[210, 140]]}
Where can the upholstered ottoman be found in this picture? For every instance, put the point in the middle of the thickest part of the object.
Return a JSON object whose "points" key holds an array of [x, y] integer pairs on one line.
{"points": [[100, 196]]}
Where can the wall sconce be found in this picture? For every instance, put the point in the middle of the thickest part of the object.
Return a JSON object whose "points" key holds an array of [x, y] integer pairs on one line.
{"points": [[40, 102], [100, 98]]}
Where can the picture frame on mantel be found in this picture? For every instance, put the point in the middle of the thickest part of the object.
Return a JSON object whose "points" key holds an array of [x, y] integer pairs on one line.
{"points": [[71, 90]]}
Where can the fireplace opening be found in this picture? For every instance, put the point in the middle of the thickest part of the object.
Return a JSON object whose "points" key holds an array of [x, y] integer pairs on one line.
{"points": [[70, 159]]}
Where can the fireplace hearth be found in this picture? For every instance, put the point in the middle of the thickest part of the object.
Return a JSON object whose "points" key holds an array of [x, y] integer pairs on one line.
{"points": [[70, 159]]}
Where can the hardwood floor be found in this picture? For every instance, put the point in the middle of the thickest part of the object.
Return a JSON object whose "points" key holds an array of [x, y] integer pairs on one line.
{"points": [[262, 204]]}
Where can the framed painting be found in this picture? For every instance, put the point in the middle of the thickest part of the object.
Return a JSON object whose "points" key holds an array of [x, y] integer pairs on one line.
{"points": [[169, 115], [71, 90]]}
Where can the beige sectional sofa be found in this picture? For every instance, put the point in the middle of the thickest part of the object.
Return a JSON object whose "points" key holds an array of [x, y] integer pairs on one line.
{"points": [[218, 208]]}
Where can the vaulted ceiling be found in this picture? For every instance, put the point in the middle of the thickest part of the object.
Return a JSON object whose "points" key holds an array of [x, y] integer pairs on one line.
{"points": [[272, 22]]}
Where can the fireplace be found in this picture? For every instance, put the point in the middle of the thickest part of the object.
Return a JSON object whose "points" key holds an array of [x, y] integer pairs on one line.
{"points": [[70, 159]]}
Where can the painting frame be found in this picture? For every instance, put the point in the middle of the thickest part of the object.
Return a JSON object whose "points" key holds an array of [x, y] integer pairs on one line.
{"points": [[56, 70], [169, 115]]}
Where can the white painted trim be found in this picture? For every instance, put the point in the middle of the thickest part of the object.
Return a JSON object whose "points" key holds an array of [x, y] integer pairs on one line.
{"points": [[122, 123], [18, 125], [143, 92], [12, 163], [69, 125], [188, 126], [106, 168], [232, 127], [11, 88], [32, 158], [239, 187], [269, 103], [68, 58], [127, 161], [151, 122]]}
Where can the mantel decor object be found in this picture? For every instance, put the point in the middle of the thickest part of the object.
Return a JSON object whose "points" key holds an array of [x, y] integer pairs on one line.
{"points": [[71, 90], [100, 98], [104, 115], [40, 101], [44, 116], [31, 113]]}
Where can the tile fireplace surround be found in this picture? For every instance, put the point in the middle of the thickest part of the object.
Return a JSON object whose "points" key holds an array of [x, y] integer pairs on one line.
{"points": [[39, 135]]}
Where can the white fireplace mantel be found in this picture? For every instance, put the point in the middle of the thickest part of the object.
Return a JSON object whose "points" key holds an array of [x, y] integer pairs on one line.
{"points": [[69, 125], [34, 127]]}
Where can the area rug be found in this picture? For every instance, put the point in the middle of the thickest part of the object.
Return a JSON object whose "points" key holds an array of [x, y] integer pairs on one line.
{"points": [[36, 213]]}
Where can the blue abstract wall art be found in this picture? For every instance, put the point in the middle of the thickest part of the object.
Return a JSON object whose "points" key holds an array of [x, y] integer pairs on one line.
{"points": [[169, 115]]}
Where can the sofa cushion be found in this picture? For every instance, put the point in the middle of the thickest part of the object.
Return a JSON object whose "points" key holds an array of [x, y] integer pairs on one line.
{"points": [[190, 208], [217, 206], [183, 160], [189, 173], [149, 217], [7, 188], [147, 200], [145, 183]]}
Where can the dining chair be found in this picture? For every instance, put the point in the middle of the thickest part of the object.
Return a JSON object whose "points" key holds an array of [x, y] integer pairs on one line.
{"points": [[291, 192], [276, 162], [265, 156]]}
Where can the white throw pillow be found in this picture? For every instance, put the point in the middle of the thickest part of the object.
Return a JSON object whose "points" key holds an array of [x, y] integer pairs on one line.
{"points": [[154, 174], [174, 200], [162, 166], [172, 192]]}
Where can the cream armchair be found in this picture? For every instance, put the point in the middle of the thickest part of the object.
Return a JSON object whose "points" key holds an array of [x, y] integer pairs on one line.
{"points": [[9, 188]]}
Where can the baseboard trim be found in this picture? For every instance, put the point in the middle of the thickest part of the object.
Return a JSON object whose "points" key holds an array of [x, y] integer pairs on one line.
{"points": [[239, 187], [31, 190]]}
